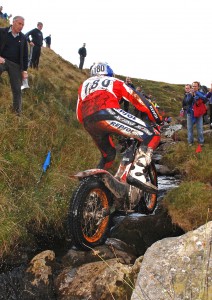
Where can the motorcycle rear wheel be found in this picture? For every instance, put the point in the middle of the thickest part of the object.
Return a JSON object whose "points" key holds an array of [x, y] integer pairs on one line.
{"points": [[148, 202], [89, 214]]}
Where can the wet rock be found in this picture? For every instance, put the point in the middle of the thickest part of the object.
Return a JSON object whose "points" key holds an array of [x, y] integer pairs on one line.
{"points": [[31, 282], [141, 231]]}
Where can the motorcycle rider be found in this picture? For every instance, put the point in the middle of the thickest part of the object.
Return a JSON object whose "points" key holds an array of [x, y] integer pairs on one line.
{"points": [[99, 111]]}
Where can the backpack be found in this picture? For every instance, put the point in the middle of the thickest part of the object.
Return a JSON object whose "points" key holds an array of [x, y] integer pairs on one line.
{"points": [[203, 89]]}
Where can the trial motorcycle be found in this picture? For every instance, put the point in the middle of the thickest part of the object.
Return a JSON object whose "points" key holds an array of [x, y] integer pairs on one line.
{"points": [[100, 194]]}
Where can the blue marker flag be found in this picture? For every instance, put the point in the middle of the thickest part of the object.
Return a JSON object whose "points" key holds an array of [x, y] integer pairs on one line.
{"points": [[47, 161]]}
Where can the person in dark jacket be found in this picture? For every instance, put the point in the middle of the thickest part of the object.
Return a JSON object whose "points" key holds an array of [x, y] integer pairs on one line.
{"points": [[187, 89], [35, 40], [14, 58], [209, 96], [83, 53], [48, 40]]}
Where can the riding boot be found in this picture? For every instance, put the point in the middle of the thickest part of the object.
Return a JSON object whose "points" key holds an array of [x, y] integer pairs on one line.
{"points": [[136, 176], [125, 162]]}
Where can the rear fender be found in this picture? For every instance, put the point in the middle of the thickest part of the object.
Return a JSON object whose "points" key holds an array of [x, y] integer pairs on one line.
{"points": [[116, 187], [88, 173]]}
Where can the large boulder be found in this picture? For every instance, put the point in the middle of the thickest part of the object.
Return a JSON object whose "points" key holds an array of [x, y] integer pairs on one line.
{"points": [[177, 268]]}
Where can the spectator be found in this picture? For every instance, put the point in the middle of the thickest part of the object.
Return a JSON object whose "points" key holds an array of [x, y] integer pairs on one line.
{"points": [[14, 58], [191, 98], [155, 104], [209, 96], [48, 41], [129, 83], [35, 40], [83, 53], [98, 109], [4, 15], [137, 112], [184, 102]]}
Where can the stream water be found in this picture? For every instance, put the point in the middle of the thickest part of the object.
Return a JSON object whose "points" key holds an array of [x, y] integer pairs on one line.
{"points": [[166, 183]]}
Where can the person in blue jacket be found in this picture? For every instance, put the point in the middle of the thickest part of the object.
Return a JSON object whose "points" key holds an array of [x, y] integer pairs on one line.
{"points": [[191, 98]]}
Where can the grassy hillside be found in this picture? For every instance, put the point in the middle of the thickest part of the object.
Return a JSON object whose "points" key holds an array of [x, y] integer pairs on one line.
{"points": [[31, 201]]}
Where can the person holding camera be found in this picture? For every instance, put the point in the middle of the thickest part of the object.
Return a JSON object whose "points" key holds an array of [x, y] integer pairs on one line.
{"points": [[189, 102]]}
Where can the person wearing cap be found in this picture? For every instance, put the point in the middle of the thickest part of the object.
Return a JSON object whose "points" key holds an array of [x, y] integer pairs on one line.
{"points": [[14, 58]]}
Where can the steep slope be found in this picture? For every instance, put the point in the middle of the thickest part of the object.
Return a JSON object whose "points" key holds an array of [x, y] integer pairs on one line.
{"points": [[29, 199]]}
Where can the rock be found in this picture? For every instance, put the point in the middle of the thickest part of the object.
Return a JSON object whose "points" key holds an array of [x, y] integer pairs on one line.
{"points": [[177, 268], [113, 248], [31, 282], [164, 170], [100, 280], [172, 129], [40, 267], [141, 231]]}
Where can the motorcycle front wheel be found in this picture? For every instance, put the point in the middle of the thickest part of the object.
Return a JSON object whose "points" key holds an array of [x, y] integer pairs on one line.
{"points": [[89, 214]]}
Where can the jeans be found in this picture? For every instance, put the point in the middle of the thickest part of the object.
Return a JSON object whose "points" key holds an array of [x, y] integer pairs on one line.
{"points": [[14, 72], [210, 112], [199, 125]]}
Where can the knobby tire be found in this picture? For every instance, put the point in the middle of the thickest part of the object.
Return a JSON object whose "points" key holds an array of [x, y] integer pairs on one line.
{"points": [[149, 201], [89, 217]]}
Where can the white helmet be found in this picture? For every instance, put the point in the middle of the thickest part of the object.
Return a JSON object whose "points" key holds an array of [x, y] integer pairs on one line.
{"points": [[101, 69]]}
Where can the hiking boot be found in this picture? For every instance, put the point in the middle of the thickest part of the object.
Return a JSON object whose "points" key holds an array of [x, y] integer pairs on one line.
{"points": [[136, 176]]}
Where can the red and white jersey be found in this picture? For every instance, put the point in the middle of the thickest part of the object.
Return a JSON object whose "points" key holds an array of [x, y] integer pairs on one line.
{"points": [[102, 92]]}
